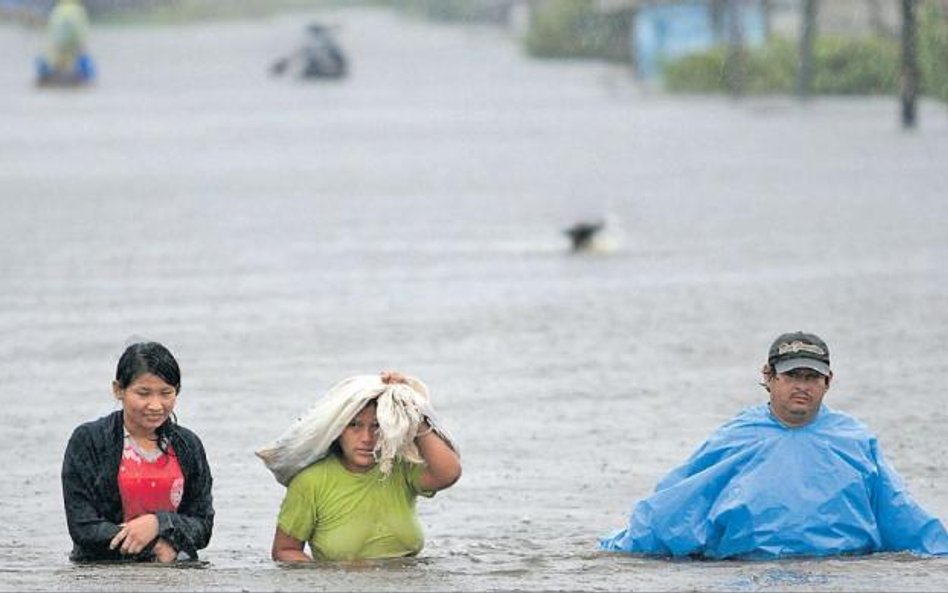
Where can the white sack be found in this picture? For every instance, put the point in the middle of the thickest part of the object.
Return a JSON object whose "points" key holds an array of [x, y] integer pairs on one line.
{"points": [[401, 408]]}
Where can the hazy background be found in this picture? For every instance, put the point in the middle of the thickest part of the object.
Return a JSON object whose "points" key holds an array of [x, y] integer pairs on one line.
{"points": [[280, 235]]}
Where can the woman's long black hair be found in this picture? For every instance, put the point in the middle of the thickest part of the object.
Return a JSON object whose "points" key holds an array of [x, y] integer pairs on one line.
{"points": [[154, 358]]}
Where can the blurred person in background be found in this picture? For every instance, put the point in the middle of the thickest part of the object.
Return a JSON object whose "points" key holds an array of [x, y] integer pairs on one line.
{"points": [[136, 484], [790, 477], [67, 59], [319, 56]]}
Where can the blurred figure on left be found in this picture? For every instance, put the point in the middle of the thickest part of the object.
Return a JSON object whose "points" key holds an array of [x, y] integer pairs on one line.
{"points": [[67, 61], [136, 484]]}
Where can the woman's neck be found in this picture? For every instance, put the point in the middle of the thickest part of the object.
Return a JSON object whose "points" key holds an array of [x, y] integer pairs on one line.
{"points": [[147, 440]]}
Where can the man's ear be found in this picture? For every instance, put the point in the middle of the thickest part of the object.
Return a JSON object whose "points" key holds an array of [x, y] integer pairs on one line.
{"points": [[117, 390], [829, 379]]}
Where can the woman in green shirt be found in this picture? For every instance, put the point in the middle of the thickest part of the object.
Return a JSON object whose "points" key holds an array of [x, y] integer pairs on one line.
{"points": [[347, 509]]}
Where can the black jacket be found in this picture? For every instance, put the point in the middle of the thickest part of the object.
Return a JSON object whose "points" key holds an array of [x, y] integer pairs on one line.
{"points": [[94, 505]]}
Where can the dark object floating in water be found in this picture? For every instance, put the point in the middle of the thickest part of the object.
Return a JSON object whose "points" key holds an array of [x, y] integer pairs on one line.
{"points": [[319, 56], [583, 234]]}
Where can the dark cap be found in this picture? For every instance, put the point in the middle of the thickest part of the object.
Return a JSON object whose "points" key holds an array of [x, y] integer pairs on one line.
{"points": [[799, 350]]}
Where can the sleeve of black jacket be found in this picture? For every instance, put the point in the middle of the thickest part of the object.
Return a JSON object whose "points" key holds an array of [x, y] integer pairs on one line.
{"points": [[87, 516], [189, 529]]}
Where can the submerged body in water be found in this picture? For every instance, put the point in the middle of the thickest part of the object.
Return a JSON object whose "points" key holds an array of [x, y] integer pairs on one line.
{"points": [[319, 56], [758, 489]]}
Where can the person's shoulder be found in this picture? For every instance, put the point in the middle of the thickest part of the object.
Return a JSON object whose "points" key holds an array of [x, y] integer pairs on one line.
{"points": [[318, 470], [407, 469], [747, 426], [831, 417], [749, 417], [839, 421], [409, 474], [187, 444], [99, 425], [186, 433], [99, 434]]}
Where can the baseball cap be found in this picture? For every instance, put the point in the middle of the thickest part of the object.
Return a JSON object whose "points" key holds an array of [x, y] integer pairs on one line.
{"points": [[799, 349]]}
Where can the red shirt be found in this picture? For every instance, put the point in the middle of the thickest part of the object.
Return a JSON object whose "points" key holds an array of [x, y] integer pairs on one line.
{"points": [[149, 485]]}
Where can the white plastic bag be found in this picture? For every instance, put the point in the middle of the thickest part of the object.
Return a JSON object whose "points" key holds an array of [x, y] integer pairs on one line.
{"points": [[401, 407]]}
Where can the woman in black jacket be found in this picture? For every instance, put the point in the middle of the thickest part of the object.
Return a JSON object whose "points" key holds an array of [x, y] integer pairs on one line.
{"points": [[136, 485]]}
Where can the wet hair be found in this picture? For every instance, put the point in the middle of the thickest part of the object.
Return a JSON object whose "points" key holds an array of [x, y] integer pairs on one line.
{"points": [[150, 357], [769, 372]]}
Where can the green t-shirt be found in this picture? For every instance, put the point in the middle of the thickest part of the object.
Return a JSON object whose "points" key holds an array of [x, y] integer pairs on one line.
{"points": [[352, 516]]}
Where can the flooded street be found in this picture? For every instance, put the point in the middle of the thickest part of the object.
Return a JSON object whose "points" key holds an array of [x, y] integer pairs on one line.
{"points": [[279, 236]]}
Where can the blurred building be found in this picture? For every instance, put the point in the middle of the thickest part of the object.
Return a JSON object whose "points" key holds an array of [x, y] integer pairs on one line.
{"points": [[663, 30], [37, 10]]}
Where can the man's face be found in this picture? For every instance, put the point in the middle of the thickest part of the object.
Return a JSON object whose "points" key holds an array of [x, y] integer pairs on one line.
{"points": [[796, 395]]}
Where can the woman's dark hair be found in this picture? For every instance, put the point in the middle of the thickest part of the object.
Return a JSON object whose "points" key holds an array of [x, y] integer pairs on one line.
{"points": [[149, 357]]}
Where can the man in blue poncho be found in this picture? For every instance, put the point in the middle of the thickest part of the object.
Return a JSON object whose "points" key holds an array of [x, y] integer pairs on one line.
{"points": [[787, 478]]}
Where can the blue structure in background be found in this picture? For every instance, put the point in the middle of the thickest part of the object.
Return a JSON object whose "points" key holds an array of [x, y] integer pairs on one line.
{"points": [[31, 10], [664, 32]]}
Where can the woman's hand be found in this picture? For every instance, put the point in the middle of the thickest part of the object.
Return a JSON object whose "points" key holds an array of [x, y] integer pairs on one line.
{"points": [[391, 377], [164, 552], [135, 535]]}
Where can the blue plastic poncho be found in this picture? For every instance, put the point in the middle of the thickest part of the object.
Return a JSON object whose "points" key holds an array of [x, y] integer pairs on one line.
{"points": [[757, 489]]}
